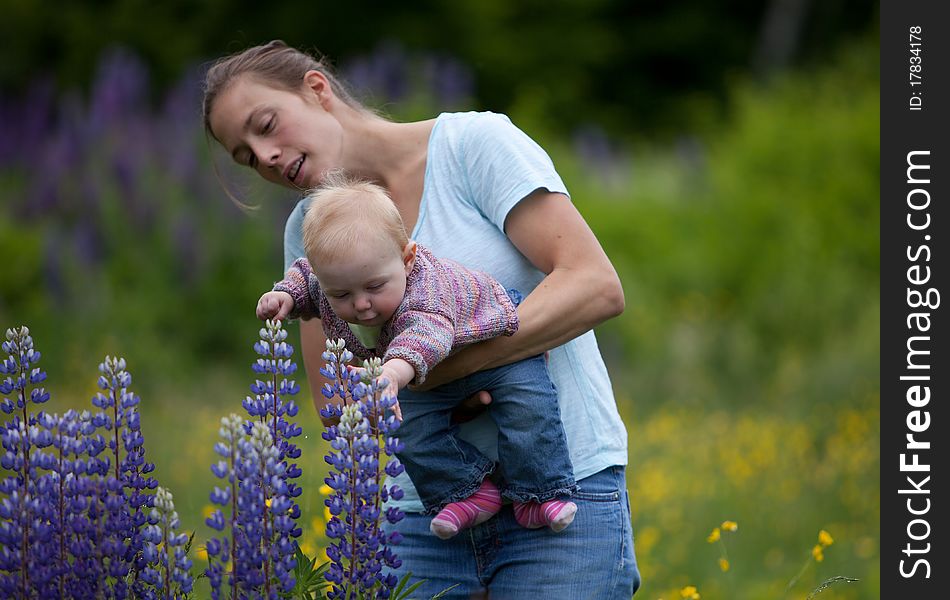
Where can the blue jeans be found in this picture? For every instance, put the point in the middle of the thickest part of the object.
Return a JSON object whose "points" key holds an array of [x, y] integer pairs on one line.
{"points": [[593, 558], [532, 450]]}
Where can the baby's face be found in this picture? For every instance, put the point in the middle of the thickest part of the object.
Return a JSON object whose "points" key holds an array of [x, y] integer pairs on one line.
{"points": [[367, 286]]}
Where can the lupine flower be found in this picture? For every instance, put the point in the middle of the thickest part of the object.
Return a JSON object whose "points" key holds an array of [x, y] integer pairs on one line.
{"points": [[220, 550], [166, 549], [361, 549], [25, 530], [261, 525], [72, 515], [123, 488]]}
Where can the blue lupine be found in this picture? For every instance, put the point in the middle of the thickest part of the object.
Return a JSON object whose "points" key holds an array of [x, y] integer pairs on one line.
{"points": [[72, 516], [166, 549], [221, 551], [259, 495], [124, 488], [22, 534], [361, 549]]}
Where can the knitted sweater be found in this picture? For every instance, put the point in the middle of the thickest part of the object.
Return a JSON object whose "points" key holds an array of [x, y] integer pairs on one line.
{"points": [[446, 306]]}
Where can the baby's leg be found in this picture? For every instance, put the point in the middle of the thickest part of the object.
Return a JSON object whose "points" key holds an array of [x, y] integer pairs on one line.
{"points": [[443, 468], [556, 514], [472, 511], [532, 448]]}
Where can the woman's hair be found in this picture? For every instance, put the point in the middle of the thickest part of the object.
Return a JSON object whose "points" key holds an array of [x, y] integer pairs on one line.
{"points": [[345, 211], [274, 63]]}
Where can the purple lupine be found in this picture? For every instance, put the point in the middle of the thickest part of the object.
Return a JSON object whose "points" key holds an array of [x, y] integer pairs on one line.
{"points": [[59, 433], [259, 546], [165, 549], [273, 406], [450, 82], [87, 521], [72, 515], [124, 487], [383, 73], [73, 438], [221, 550], [362, 552], [22, 506]]}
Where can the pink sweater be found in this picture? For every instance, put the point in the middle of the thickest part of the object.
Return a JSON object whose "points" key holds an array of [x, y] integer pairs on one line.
{"points": [[446, 306]]}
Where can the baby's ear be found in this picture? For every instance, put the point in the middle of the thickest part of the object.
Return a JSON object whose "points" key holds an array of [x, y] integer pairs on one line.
{"points": [[409, 256]]}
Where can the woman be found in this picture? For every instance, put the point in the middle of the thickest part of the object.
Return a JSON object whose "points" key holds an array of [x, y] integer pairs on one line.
{"points": [[473, 188]]}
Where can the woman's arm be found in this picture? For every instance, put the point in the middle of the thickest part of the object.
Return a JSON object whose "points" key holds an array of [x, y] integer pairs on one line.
{"points": [[313, 343], [580, 290]]}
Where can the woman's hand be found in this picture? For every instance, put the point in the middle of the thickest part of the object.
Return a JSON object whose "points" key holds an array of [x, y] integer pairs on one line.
{"points": [[471, 407]]}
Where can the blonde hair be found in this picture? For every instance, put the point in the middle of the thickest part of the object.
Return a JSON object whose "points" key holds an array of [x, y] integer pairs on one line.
{"points": [[343, 212]]}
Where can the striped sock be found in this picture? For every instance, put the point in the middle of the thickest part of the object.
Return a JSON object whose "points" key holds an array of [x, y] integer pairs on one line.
{"points": [[477, 508], [556, 514]]}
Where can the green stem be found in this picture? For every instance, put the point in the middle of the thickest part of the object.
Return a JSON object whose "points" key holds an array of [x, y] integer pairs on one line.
{"points": [[24, 575], [62, 519], [169, 559], [798, 576]]}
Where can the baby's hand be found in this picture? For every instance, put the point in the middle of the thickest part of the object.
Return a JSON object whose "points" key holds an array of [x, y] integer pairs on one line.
{"points": [[392, 388], [275, 305]]}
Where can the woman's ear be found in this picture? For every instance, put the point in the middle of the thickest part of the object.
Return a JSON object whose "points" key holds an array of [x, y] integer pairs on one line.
{"points": [[409, 256], [317, 84]]}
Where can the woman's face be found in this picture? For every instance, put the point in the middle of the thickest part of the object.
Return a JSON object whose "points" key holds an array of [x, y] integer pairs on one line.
{"points": [[287, 137]]}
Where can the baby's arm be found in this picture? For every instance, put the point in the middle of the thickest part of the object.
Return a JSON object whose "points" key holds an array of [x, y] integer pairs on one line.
{"points": [[292, 293], [423, 340]]}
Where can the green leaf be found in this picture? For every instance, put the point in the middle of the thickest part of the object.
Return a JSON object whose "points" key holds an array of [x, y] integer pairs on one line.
{"points": [[445, 591]]}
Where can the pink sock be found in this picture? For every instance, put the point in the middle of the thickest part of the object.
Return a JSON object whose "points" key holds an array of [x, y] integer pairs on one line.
{"points": [[556, 514], [477, 508]]}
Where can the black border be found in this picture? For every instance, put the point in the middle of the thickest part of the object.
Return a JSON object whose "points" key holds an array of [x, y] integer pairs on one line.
{"points": [[903, 131]]}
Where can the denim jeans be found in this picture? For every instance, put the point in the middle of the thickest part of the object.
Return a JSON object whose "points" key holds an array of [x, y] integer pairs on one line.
{"points": [[534, 463], [592, 559]]}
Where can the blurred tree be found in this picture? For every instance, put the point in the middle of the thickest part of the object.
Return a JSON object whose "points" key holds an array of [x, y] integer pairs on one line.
{"points": [[625, 65]]}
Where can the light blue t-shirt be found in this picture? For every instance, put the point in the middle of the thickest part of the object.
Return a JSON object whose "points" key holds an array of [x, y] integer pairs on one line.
{"points": [[478, 167]]}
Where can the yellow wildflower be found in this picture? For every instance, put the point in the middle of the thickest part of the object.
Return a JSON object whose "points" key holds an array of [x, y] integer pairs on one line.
{"points": [[730, 525], [201, 552], [714, 536], [327, 515], [267, 502], [689, 593], [825, 539], [723, 564], [326, 490], [207, 510], [817, 553]]}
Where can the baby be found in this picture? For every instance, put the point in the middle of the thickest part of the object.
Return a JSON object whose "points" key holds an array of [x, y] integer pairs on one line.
{"points": [[389, 297]]}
